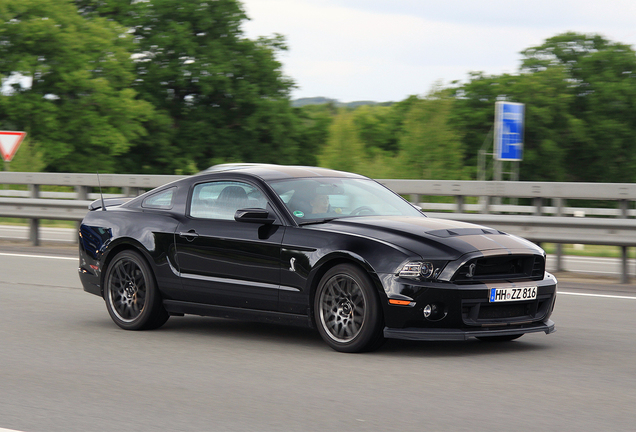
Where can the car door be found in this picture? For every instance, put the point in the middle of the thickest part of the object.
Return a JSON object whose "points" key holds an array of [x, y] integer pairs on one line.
{"points": [[224, 262]]}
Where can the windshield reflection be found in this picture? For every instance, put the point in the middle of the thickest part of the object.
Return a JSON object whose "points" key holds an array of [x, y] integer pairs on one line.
{"points": [[312, 200]]}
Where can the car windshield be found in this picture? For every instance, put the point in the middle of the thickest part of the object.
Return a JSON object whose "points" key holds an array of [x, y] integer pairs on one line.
{"points": [[313, 200]]}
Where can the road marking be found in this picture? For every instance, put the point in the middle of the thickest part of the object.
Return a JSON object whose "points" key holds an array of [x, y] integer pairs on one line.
{"points": [[597, 295], [75, 259], [588, 258], [595, 272], [37, 256], [8, 430]]}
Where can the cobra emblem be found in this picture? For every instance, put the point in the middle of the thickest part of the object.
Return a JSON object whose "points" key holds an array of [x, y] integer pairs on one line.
{"points": [[471, 270]]}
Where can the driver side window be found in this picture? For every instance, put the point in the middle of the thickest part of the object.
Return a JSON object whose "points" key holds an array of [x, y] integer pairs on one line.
{"points": [[221, 200]]}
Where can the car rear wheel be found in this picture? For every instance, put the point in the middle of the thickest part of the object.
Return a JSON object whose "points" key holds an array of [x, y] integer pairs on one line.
{"points": [[131, 295], [347, 310]]}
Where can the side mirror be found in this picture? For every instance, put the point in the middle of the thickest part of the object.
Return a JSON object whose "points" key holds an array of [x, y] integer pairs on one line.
{"points": [[254, 215]]}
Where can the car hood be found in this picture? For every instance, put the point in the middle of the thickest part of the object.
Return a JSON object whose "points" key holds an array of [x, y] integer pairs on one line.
{"points": [[429, 237]]}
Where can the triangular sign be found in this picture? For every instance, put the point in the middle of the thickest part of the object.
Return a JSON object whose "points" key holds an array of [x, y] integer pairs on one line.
{"points": [[9, 143]]}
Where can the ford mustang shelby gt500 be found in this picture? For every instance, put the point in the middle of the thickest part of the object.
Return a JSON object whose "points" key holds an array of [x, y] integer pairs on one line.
{"points": [[310, 246]]}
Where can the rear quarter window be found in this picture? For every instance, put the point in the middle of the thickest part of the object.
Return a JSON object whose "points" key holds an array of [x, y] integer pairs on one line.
{"points": [[160, 200]]}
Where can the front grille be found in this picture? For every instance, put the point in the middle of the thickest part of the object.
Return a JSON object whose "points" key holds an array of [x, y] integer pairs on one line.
{"points": [[505, 267], [538, 267], [502, 311], [481, 312]]}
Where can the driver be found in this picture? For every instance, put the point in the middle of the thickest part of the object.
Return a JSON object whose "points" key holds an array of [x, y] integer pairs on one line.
{"points": [[319, 204]]}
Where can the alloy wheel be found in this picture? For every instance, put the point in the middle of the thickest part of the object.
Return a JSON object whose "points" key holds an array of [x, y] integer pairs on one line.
{"points": [[127, 290], [342, 308]]}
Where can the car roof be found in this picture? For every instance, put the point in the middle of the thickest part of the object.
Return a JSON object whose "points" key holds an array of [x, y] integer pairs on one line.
{"points": [[278, 172]]}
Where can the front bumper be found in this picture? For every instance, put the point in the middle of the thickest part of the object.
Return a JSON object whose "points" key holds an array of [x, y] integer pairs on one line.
{"points": [[90, 282], [461, 311], [447, 334]]}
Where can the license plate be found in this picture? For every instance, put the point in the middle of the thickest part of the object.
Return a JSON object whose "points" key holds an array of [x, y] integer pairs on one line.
{"points": [[512, 294]]}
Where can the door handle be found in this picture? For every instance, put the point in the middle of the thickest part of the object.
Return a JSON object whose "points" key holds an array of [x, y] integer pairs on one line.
{"points": [[190, 235]]}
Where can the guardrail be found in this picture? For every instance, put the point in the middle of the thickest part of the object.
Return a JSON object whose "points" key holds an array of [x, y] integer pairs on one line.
{"points": [[538, 222], [539, 228], [35, 204]]}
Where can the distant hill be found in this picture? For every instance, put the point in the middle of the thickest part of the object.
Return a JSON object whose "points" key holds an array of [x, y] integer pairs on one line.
{"points": [[312, 101], [323, 100]]}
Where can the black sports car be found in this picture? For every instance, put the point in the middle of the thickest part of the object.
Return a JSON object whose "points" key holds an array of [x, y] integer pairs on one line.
{"points": [[315, 247]]}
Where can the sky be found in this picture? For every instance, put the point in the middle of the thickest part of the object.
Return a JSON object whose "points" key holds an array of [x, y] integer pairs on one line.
{"points": [[387, 50]]}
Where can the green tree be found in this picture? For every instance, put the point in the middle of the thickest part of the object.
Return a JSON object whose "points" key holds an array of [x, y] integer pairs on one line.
{"points": [[601, 83], [580, 95], [380, 126], [375, 128], [225, 94], [313, 131], [344, 150], [548, 123], [78, 107], [429, 147], [410, 139]]}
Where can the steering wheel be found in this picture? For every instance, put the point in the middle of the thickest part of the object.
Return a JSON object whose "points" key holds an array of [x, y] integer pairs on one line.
{"points": [[362, 209]]}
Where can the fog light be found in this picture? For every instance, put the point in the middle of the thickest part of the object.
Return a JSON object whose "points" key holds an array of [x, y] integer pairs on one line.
{"points": [[428, 310], [434, 311]]}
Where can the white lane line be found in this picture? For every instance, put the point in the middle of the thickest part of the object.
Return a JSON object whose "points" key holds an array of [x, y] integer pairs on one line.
{"points": [[36, 256], [8, 430], [75, 259], [597, 295], [592, 272], [588, 258]]}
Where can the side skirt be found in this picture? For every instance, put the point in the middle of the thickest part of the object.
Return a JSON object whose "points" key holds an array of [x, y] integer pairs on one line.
{"points": [[179, 308]]}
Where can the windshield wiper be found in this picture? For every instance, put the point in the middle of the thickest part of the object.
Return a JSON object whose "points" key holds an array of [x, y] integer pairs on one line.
{"points": [[319, 221]]}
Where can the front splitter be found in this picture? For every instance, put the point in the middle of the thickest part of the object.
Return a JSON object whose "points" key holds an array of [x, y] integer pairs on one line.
{"points": [[421, 334]]}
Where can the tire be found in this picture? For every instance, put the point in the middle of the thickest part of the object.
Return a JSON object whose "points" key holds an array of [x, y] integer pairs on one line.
{"points": [[131, 294], [347, 310], [507, 338]]}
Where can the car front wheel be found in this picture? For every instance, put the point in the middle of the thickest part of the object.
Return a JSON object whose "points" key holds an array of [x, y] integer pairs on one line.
{"points": [[347, 310], [131, 295]]}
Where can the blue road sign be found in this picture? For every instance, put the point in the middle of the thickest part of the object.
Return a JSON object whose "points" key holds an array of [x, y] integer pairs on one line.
{"points": [[509, 131]]}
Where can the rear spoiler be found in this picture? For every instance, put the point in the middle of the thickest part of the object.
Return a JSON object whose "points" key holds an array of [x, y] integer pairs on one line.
{"points": [[108, 202]]}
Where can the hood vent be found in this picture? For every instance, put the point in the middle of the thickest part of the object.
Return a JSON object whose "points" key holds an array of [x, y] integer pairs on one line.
{"points": [[456, 232]]}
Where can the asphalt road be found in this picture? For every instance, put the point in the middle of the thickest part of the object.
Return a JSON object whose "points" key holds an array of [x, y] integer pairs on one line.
{"points": [[64, 366], [47, 234]]}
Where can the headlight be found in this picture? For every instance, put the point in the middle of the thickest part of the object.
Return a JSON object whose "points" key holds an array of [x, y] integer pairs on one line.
{"points": [[418, 270]]}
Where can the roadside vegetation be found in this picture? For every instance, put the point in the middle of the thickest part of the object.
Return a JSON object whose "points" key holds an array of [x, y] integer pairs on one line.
{"points": [[174, 86]]}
